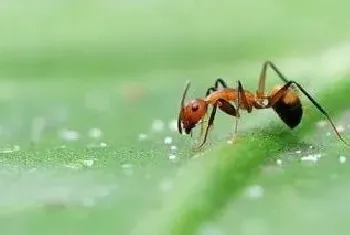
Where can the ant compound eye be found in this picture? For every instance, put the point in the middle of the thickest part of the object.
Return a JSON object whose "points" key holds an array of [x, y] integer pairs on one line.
{"points": [[195, 107]]}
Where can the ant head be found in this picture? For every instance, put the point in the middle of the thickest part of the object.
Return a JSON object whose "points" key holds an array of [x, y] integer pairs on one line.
{"points": [[191, 113]]}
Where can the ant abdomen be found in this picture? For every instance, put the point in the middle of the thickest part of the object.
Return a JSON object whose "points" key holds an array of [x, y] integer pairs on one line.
{"points": [[289, 109]]}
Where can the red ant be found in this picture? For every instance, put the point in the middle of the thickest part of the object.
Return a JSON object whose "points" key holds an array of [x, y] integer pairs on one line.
{"points": [[283, 99]]}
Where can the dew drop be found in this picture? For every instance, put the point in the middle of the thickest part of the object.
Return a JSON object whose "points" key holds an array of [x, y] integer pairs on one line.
{"points": [[95, 132], [158, 125], [321, 123], [255, 191], [172, 157], [168, 140], [340, 129], [69, 135], [142, 136], [88, 162], [342, 159], [279, 161], [16, 148], [173, 125]]}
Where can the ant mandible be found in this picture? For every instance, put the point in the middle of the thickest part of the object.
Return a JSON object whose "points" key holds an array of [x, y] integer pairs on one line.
{"points": [[283, 99]]}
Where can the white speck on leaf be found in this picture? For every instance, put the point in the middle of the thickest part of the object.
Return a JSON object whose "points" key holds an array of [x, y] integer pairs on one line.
{"points": [[102, 144], [69, 135], [16, 148], [340, 128], [313, 158], [172, 125], [158, 125], [95, 132], [279, 161], [6, 150], [168, 140], [88, 162], [128, 169], [172, 157], [321, 123], [142, 136], [255, 191], [173, 147], [342, 159]]}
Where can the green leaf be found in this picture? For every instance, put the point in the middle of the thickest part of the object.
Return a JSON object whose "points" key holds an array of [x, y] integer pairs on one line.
{"points": [[210, 180]]}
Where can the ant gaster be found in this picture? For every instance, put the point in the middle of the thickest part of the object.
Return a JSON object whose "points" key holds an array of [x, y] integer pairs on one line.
{"points": [[283, 99]]}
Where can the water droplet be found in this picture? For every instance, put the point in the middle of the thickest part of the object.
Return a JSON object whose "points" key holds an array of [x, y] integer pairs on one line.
{"points": [[157, 125], [313, 158], [340, 128], [142, 136], [88, 162], [69, 135], [127, 168], [6, 150], [279, 161], [95, 132], [255, 191], [73, 166], [16, 148], [342, 159], [173, 125], [168, 140], [321, 123], [172, 157]]}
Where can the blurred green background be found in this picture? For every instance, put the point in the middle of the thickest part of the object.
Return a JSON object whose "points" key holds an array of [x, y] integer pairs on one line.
{"points": [[89, 91]]}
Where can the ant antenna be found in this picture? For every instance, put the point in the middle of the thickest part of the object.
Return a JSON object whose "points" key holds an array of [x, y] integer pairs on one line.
{"points": [[319, 107], [188, 83]]}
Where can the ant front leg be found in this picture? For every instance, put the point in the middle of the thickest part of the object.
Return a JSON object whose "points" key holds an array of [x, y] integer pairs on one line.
{"points": [[210, 124]]}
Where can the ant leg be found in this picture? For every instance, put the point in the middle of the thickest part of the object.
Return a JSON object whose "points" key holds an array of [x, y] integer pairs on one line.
{"points": [[202, 126], [227, 107], [210, 123], [241, 99], [220, 81], [210, 90], [278, 95], [262, 78], [238, 104]]}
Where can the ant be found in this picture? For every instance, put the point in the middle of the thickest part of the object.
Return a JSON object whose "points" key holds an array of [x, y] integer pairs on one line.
{"points": [[283, 99]]}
